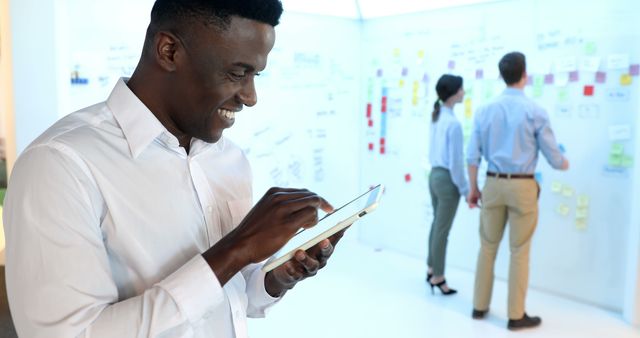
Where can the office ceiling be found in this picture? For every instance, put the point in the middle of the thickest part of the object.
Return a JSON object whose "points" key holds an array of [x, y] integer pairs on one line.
{"points": [[367, 9]]}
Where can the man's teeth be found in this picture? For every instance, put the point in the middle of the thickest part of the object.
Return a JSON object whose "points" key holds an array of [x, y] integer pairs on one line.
{"points": [[227, 114]]}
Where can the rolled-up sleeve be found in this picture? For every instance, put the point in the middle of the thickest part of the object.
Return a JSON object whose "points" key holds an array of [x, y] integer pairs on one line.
{"points": [[59, 278], [457, 158], [474, 149], [547, 141]]}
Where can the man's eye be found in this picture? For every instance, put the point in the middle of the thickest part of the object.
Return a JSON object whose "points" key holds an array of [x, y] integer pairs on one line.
{"points": [[236, 75]]}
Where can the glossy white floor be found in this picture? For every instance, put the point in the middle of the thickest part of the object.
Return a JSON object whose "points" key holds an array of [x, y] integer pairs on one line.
{"points": [[364, 293]]}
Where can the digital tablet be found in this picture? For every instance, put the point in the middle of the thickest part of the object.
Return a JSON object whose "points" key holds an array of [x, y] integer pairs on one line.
{"points": [[328, 225]]}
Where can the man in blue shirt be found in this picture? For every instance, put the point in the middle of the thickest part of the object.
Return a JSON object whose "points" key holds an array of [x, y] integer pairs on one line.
{"points": [[508, 132]]}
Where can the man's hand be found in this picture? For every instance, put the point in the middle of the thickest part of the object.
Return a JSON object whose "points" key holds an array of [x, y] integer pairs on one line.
{"points": [[302, 265], [474, 198], [270, 224]]}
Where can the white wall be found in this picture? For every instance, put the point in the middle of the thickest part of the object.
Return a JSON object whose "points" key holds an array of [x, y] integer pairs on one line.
{"points": [[579, 256]]}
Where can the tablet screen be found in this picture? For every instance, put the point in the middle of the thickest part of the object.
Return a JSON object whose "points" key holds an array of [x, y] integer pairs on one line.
{"points": [[353, 209]]}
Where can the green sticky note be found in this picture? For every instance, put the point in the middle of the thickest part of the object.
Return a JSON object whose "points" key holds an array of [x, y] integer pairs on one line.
{"points": [[537, 91], [627, 162], [617, 149], [563, 94], [538, 81], [615, 160], [590, 48]]}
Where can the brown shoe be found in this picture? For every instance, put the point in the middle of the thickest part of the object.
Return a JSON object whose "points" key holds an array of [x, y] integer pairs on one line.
{"points": [[525, 322]]}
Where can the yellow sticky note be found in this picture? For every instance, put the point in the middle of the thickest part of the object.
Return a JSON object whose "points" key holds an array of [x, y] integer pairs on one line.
{"points": [[582, 213], [401, 83], [396, 52], [421, 53], [416, 86], [581, 224], [556, 187], [567, 191], [626, 80], [563, 209], [583, 201], [415, 101]]}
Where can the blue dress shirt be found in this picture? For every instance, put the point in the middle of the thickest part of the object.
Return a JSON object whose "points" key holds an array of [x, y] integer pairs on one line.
{"points": [[445, 149], [509, 131]]}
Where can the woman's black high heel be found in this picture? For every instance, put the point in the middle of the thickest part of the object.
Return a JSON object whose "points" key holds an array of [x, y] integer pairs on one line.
{"points": [[439, 285]]}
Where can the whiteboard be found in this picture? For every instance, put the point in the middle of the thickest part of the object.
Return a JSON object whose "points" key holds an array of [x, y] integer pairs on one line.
{"points": [[584, 72]]}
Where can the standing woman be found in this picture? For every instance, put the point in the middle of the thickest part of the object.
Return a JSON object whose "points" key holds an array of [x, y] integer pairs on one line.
{"points": [[446, 181]]}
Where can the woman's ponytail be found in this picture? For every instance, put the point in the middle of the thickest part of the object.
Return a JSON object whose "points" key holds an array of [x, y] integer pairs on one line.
{"points": [[436, 111]]}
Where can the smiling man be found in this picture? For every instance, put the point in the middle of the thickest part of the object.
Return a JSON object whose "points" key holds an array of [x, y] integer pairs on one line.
{"points": [[133, 217]]}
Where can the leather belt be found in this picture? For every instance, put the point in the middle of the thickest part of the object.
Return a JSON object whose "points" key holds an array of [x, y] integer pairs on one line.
{"points": [[509, 176]]}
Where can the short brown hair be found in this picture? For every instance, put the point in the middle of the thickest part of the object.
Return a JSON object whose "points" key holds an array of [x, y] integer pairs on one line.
{"points": [[512, 67]]}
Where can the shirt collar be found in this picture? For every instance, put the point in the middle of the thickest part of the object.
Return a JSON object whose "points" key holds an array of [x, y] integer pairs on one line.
{"points": [[513, 91], [446, 109], [139, 125]]}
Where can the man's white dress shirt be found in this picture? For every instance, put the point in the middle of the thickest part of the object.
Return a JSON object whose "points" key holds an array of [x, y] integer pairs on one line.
{"points": [[105, 220]]}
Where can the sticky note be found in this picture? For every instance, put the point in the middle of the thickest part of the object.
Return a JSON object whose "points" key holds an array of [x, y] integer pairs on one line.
{"points": [[615, 160], [590, 48], [583, 201], [425, 78], [626, 79], [627, 162], [548, 79], [415, 101], [588, 90], [379, 73], [567, 191], [620, 132], [582, 213], [590, 64], [479, 74], [617, 149], [421, 53], [401, 83], [581, 224], [407, 178], [563, 209], [566, 64], [574, 76], [556, 187], [396, 52], [451, 64], [563, 94], [618, 61], [634, 70], [370, 146], [601, 77]]}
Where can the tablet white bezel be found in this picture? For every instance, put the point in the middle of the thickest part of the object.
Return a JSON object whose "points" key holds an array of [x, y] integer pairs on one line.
{"points": [[329, 232]]}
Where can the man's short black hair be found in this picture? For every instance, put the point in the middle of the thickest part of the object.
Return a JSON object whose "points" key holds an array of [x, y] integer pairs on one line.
{"points": [[512, 67], [216, 12]]}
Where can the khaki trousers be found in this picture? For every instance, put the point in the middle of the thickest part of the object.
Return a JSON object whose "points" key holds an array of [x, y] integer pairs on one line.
{"points": [[515, 201]]}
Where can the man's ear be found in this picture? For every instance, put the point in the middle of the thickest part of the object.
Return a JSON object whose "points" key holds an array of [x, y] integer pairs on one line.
{"points": [[165, 49]]}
